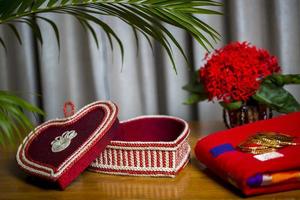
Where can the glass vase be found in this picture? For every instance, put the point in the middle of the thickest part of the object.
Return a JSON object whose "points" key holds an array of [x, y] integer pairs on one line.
{"points": [[249, 112]]}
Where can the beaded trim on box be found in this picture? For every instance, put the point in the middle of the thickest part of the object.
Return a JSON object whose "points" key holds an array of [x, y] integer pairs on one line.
{"points": [[145, 158], [54, 173]]}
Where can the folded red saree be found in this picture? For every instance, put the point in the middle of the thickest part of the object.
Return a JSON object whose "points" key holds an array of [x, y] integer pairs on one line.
{"points": [[274, 170]]}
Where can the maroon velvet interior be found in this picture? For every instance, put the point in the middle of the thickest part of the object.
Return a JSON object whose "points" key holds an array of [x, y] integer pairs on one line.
{"points": [[84, 127], [151, 130]]}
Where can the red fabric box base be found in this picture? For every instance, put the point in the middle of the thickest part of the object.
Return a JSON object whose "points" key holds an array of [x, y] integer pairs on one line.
{"points": [[59, 150], [149, 146], [237, 167]]}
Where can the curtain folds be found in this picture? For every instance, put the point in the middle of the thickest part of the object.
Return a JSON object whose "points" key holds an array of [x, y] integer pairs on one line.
{"points": [[145, 82]]}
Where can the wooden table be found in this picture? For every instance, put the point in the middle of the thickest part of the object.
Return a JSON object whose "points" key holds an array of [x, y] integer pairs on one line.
{"points": [[191, 183]]}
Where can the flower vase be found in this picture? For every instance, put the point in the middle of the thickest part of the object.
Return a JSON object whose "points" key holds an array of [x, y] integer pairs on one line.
{"points": [[249, 112]]}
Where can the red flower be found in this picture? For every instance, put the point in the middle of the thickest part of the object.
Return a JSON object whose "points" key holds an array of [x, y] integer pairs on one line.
{"points": [[234, 72]]}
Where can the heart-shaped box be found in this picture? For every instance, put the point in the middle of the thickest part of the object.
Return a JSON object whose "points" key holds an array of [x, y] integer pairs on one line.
{"points": [[59, 150], [149, 146]]}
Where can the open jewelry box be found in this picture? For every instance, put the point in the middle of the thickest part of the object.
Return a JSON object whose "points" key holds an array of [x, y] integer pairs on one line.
{"points": [[59, 150], [149, 146]]}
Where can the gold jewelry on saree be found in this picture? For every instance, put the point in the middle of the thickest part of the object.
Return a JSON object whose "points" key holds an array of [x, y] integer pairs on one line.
{"points": [[264, 142]]}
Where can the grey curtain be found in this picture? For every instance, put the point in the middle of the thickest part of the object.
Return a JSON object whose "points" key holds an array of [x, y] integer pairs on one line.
{"points": [[145, 83]]}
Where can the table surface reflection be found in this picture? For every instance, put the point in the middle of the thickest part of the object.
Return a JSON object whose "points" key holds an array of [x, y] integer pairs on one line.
{"points": [[191, 183]]}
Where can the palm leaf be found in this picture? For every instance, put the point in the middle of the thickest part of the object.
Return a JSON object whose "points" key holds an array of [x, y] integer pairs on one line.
{"points": [[143, 16], [13, 120]]}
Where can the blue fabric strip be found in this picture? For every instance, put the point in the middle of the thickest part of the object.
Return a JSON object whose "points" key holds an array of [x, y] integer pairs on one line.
{"points": [[220, 149], [255, 181]]}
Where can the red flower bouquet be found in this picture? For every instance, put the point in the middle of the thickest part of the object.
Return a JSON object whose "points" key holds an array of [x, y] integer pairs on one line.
{"points": [[239, 73], [235, 72]]}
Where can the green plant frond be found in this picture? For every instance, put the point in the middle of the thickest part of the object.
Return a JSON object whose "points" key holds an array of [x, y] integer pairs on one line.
{"points": [[6, 129], [7, 98], [3, 44], [143, 16], [54, 27], [34, 27], [13, 120], [15, 31], [91, 29]]}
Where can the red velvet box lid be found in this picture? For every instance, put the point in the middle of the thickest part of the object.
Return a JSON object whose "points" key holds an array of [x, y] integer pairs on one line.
{"points": [[59, 150]]}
